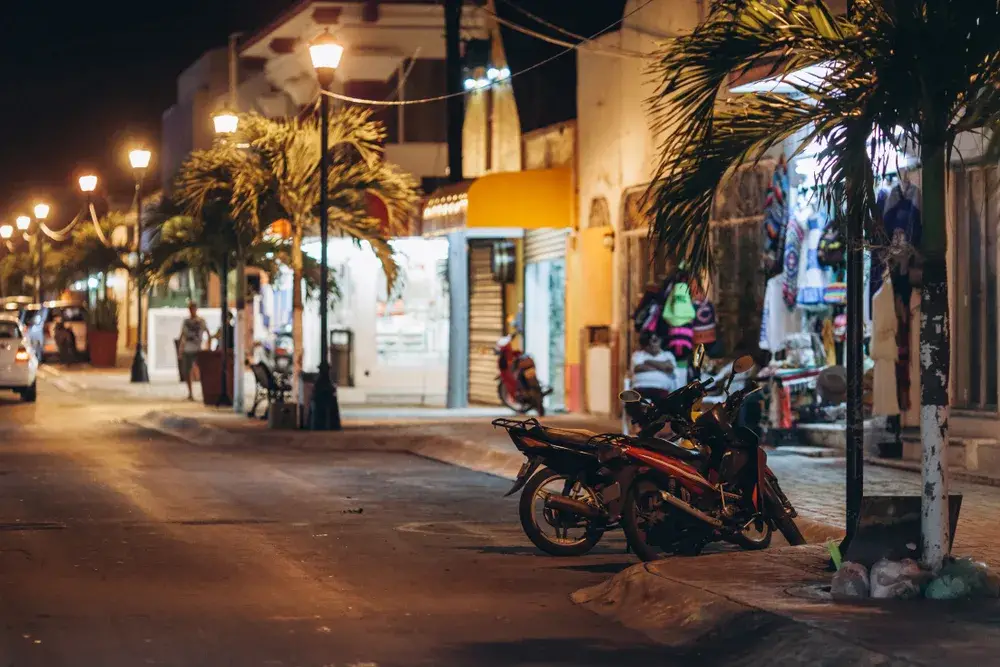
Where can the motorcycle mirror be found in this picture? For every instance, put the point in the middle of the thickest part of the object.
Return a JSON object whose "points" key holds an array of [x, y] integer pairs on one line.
{"points": [[743, 364], [630, 396], [698, 358]]}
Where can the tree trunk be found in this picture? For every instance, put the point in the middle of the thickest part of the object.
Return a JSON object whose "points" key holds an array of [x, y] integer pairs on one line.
{"points": [[239, 329], [297, 232], [935, 358]]}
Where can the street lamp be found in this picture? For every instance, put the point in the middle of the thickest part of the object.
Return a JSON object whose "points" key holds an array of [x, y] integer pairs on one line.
{"points": [[6, 231], [88, 183], [139, 159], [23, 223], [325, 54], [225, 122], [41, 212]]}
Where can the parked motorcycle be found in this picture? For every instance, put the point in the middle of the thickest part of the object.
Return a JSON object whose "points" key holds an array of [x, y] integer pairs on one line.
{"points": [[677, 500], [565, 507], [517, 383], [569, 499]]}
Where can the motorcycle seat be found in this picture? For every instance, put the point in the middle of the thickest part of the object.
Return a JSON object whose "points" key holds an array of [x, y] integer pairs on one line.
{"points": [[574, 437], [671, 449]]}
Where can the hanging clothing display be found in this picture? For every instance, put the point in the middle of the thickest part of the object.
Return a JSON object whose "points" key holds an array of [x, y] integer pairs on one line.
{"points": [[829, 346], [790, 275], [901, 215], [885, 351], [777, 320], [775, 220], [811, 279], [903, 324]]}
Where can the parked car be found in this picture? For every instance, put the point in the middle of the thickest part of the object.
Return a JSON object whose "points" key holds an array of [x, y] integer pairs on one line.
{"points": [[72, 315], [18, 364]]}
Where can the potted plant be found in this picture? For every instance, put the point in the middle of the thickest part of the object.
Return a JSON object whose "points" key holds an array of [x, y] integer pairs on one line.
{"points": [[102, 334]]}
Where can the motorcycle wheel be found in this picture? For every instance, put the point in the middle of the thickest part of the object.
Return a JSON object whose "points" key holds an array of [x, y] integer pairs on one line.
{"points": [[753, 539], [532, 512], [511, 402], [779, 517], [635, 523]]}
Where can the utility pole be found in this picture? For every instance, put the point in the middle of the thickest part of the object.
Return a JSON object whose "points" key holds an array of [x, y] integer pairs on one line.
{"points": [[453, 72]]}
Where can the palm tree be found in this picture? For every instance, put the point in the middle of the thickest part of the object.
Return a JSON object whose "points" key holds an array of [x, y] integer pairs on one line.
{"points": [[928, 67], [90, 250], [270, 171]]}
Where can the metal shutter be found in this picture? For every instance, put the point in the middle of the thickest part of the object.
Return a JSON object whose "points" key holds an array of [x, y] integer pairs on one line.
{"points": [[486, 326], [544, 244]]}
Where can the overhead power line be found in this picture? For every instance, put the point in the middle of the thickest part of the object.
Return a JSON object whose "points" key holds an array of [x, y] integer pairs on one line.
{"points": [[491, 84]]}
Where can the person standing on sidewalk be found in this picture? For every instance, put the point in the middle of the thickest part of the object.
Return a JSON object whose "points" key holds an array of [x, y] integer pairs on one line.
{"points": [[194, 334]]}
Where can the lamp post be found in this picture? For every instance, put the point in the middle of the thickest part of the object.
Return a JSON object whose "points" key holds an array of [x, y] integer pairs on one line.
{"points": [[139, 159], [226, 122], [325, 54], [41, 212]]}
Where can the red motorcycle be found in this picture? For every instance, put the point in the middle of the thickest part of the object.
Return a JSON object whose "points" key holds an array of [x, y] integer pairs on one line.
{"points": [[678, 500], [517, 383]]}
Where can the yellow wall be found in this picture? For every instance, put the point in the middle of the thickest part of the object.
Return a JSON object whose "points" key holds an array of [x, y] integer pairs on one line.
{"points": [[595, 265]]}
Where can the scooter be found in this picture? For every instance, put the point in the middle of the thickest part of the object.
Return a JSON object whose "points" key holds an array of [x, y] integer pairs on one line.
{"points": [[517, 382]]}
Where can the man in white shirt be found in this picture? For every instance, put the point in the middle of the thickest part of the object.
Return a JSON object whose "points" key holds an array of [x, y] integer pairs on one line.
{"points": [[654, 374], [194, 332], [653, 367]]}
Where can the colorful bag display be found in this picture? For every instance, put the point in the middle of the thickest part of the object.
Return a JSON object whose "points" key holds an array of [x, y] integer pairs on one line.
{"points": [[832, 249], [704, 323], [678, 310], [680, 341], [835, 294]]}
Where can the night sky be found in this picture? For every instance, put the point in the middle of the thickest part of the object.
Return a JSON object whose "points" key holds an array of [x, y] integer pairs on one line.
{"points": [[82, 80]]}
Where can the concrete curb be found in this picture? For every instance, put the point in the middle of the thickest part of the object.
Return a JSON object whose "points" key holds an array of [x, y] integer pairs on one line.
{"points": [[710, 626]]}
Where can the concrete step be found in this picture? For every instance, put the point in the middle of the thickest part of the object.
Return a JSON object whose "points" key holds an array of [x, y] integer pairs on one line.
{"points": [[970, 454]]}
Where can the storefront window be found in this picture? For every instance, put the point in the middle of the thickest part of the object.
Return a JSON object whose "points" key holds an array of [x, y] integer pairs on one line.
{"points": [[411, 326]]}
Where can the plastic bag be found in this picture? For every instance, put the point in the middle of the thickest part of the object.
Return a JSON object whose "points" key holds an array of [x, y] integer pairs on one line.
{"points": [[850, 582], [964, 578], [901, 580]]}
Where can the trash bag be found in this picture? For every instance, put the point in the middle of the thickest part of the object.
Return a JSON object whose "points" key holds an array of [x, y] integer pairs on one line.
{"points": [[964, 578], [902, 580], [850, 582]]}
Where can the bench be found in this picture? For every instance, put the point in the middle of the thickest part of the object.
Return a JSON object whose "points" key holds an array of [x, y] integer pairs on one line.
{"points": [[270, 387]]}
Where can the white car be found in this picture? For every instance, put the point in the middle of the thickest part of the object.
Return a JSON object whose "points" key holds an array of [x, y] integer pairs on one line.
{"points": [[18, 365]]}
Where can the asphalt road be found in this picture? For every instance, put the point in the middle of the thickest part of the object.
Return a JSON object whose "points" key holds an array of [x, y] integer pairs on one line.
{"points": [[122, 547]]}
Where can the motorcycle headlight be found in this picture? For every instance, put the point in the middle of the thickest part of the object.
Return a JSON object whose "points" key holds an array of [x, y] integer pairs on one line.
{"points": [[607, 453]]}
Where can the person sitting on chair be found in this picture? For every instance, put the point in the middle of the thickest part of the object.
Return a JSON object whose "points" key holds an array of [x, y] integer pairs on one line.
{"points": [[654, 372]]}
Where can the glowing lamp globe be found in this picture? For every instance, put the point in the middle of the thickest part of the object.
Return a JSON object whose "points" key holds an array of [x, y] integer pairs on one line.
{"points": [[139, 158], [88, 183], [225, 122], [23, 222], [41, 211], [325, 53], [6, 231]]}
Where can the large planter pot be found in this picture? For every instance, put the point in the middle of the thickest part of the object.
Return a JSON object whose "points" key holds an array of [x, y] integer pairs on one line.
{"points": [[103, 348], [211, 381]]}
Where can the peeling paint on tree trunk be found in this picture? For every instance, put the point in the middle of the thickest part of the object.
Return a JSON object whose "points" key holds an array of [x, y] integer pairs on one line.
{"points": [[935, 359]]}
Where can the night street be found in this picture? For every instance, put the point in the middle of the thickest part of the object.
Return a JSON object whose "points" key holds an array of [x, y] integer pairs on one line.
{"points": [[122, 547]]}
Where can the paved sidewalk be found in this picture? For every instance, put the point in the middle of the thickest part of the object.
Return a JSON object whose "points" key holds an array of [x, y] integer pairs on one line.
{"points": [[770, 608]]}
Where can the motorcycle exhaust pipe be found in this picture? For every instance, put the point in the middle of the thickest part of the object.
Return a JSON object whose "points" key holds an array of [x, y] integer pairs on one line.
{"points": [[693, 511], [573, 506]]}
